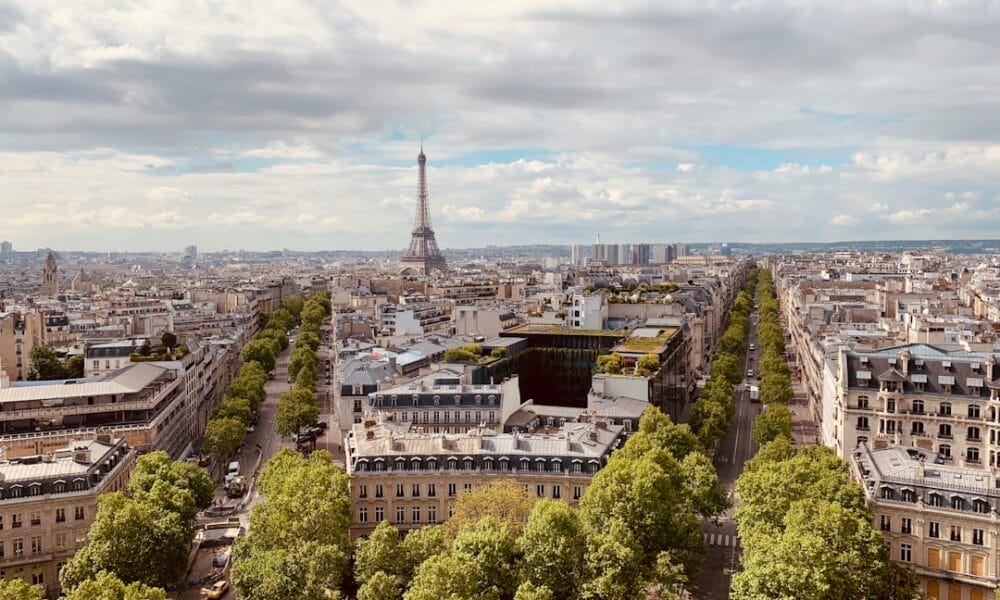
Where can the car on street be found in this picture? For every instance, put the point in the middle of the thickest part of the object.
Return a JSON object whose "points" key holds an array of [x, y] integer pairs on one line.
{"points": [[749, 373], [251, 429], [218, 590]]}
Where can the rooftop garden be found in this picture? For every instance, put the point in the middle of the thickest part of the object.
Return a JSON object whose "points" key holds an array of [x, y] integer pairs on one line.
{"points": [[647, 344]]}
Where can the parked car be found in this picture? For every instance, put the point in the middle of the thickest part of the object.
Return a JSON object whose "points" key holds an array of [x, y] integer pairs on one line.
{"points": [[218, 590], [251, 429], [749, 373]]}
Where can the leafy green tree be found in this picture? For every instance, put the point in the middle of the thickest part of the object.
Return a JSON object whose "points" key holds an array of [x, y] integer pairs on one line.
{"points": [[169, 340], [776, 389], [306, 378], [613, 564], [74, 367], [498, 352], [19, 589], [677, 439], [553, 546], [276, 574], [706, 496], [452, 575], [647, 364], [45, 365], [297, 408], [610, 363], [502, 499], [491, 545], [136, 540], [184, 477], [309, 339], [261, 351], [380, 552], [529, 591], [107, 586], [418, 546], [774, 421], [379, 586], [825, 551], [275, 334], [293, 305], [302, 357], [254, 372], [636, 494], [283, 318], [298, 541], [247, 388], [725, 366], [223, 436], [233, 408], [459, 355]]}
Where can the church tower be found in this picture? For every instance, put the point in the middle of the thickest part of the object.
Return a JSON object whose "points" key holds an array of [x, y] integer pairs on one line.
{"points": [[50, 277]]}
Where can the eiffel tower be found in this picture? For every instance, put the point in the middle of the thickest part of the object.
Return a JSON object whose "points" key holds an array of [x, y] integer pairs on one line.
{"points": [[423, 254]]}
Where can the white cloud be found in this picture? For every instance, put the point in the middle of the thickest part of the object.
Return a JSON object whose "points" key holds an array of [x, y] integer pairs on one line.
{"points": [[251, 125]]}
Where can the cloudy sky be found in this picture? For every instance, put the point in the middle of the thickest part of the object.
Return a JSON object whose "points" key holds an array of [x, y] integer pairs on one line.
{"points": [[134, 124]]}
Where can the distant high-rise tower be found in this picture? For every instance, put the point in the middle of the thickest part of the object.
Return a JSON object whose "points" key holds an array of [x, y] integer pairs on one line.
{"points": [[6, 251], [50, 277], [423, 254]]}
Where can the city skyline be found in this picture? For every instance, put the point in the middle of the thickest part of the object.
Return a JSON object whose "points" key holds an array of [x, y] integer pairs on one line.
{"points": [[158, 127]]}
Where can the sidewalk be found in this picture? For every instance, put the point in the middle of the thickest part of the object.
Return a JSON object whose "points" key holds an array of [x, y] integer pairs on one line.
{"points": [[805, 431]]}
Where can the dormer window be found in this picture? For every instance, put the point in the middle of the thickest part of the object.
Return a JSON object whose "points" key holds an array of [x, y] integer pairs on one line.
{"points": [[946, 364]]}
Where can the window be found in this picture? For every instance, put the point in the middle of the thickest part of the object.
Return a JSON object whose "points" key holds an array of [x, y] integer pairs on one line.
{"points": [[431, 490], [885, 523], [61, 540], [36, 546], [16, 520], [944, 430], [980, 506], [378, 491], [379, 514], [908, 495], [416, 514], [906, 552], [890, 405], [557, 492], [957, 503], [400, 514], [936, 500], [415, 490], [78, 513], [977, 537], [888, 493], [18, 547], [362, 515], [956, 533], [399, 490], [452, 489], [972, 433], [36, 519], [862, 423], [933, 529], [2, 550], [944, 409], [467, 486], [577, 492], [540, 490], [972, 455], [862, 401], [60, 515], [918, 407], [974, 411], [38, 578], [906, 525], [362, 491], [917, 428], [432, 514]]}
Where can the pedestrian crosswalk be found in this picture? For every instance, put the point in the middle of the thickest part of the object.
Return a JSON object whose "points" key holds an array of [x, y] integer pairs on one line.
{"points": [[722, 539]]}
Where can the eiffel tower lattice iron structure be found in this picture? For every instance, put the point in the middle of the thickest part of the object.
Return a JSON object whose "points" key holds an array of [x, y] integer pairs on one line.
{"points": [[423, 254]]}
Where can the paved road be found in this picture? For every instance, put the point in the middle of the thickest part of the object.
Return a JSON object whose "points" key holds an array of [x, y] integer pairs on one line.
{"points": [[721, 541]]}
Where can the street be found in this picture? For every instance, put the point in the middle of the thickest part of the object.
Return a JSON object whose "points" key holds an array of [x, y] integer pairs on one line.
{"points": [[722, 543]]}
